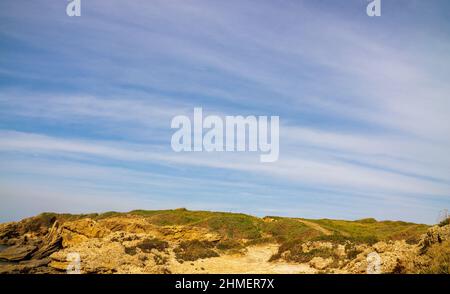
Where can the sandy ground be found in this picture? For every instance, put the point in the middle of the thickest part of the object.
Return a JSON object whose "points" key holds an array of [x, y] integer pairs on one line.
{"points": [[255, 260]]}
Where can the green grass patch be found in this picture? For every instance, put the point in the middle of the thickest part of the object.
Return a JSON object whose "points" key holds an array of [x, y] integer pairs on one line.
{"points": [[368, 229], [286, 229], [338, 238], [235, 226]]}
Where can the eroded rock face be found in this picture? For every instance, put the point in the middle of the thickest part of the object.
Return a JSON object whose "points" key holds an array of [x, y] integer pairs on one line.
{"points": [[115, 245], [392, 257], [8, 231], [38, 266], [52, 242], [75, 232], [434, 235], [17, 252], [176, 233], [116, 253]]}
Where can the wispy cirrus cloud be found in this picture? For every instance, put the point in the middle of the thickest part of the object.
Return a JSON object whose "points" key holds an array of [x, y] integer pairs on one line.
{"points": [[363, 102]]}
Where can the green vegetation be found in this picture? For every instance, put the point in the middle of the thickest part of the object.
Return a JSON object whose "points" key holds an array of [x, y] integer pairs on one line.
{"points": [[235, 226], [370, 230], [172, 217], [238, 229], [148, 244], [42, 222], [293, 251], [108, 214], [286, 229], [228, 225], [351, 251], [338, 238], [229, 244], [444, 222], [439, 255], [160, 260], [130, 250], [193, 250]]}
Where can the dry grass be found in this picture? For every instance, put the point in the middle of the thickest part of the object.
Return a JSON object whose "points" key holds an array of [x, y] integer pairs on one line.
{"points": [[439, 256]]}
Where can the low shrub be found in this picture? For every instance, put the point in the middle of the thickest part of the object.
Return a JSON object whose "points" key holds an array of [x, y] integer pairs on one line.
{"points": [[338, 238], [193, 250], [148, 244], [444, 222], [439, 256], [293, 251], [228, 244]]}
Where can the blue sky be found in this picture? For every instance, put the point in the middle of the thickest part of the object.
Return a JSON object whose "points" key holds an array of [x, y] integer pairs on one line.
{"points": [[86, 104]]}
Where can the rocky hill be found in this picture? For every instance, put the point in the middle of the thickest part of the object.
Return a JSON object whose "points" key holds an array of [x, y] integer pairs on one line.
{"points": [[182, 241]]}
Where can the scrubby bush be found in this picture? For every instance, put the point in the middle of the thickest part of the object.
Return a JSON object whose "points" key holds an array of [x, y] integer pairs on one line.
{"points": [[338, 238], [228, 244], [285, 229], [130, 250], [351, 251], [148, 244], [194, 249], [293, 251], [444, 222], [439, 256]]}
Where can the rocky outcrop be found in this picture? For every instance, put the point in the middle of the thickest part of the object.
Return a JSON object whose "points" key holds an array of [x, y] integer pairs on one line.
{"points": [[320, 263], [391, 257], [52, 242], [131, 244], [75, 232], [118, 252], [8, 231], [436, 234], [17, 252], [28, 267]]}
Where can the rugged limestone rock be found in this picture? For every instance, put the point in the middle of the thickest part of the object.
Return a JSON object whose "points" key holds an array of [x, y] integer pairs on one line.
{"points": [[130, 224], [17, 252], [434, 235], [8, 231], [52, 242], [132, 244], [320, 263], [27, 267], [394, 257], [176, 233], [109, 255], [75, 232]]}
